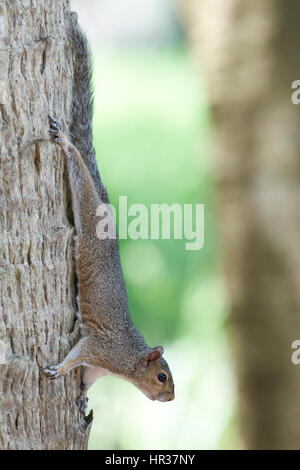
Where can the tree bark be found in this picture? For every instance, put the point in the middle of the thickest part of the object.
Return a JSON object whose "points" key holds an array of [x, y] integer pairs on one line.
{"points": [[249, 52], [37, 277]]}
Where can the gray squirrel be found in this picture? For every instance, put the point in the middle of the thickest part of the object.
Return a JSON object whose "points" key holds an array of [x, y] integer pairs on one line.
{"points": [[111, 344]]}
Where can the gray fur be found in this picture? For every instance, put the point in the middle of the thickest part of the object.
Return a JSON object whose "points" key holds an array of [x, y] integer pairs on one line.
{"points": [[111, 342]]}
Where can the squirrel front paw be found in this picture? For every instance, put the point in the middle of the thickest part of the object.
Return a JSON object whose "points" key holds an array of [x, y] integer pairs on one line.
{"points": [[55, 129], [82, 402], [52, 372]]}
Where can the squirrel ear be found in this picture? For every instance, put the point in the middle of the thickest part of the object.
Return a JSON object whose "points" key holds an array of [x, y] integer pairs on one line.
{"points": [[154, 355], [160, 349]]}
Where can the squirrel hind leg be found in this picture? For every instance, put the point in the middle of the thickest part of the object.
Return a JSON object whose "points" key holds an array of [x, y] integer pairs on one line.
{"points": [[56, 133], [55, 129]]}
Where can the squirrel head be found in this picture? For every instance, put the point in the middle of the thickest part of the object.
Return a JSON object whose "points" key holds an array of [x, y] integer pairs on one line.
{"points": [[153, 376]]}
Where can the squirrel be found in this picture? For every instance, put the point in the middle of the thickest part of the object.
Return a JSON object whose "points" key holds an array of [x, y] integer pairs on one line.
{"points": [[111, 344]]}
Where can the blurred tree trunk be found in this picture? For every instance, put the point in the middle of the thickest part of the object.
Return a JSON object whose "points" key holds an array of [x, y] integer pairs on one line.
{"points": [[250, 53], [37, 295]]}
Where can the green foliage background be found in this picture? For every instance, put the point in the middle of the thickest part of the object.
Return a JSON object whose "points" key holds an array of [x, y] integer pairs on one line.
{"points": [[152, 139]]}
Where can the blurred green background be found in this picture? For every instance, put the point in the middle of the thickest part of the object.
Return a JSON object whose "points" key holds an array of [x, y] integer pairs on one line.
{"points": [[152, 140]]}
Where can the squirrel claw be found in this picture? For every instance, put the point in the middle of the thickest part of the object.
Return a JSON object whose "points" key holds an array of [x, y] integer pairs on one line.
{"points": [[55, 129], [82, 403], [52, 372], [54, 123]]}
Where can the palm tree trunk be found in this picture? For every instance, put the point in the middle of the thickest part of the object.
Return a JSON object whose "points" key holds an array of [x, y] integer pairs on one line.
{"points": [[249, 52], [37, 290]]}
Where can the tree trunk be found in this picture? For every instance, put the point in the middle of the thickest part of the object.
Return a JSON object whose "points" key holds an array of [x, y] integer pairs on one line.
{"points": [[250, 56], [37, 277]]}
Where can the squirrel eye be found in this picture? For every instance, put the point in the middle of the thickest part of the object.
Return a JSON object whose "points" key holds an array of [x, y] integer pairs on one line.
{"points": [[162, 377]]}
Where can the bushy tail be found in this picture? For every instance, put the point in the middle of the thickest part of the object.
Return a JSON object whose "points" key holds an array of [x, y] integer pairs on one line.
{"points": [[82, 104]]}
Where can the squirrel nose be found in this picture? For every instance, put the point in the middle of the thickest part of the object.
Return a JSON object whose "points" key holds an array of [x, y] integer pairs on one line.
{"points": [[171, 397]]}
